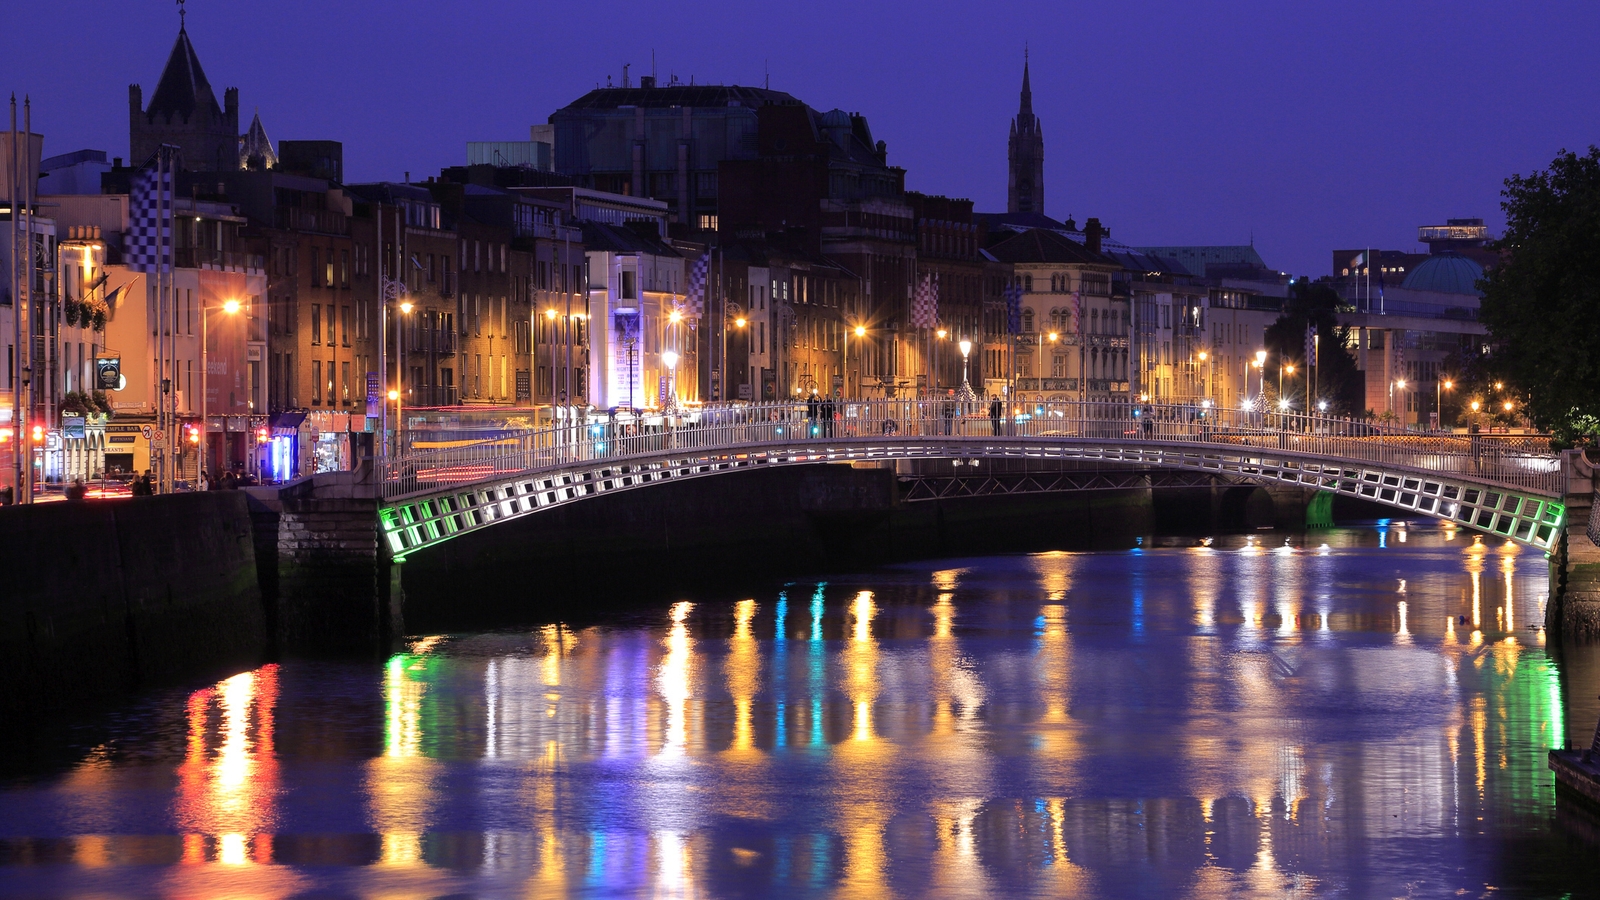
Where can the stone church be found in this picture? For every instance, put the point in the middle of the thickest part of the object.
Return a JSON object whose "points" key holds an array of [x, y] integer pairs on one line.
{"points": [[183, 112]]}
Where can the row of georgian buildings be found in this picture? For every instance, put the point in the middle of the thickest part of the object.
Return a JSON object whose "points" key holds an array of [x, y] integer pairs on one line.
{"points": [[684, 244]]}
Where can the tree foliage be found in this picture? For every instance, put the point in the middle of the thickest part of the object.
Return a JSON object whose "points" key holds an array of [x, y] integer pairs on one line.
{"points": [[1541, 305], [1337, 380]]}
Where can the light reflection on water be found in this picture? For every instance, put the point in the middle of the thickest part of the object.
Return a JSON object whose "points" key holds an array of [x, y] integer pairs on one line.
{"points": [[1239, 718]]}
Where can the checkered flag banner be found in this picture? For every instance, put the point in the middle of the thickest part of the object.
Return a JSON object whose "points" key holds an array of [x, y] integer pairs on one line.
{"points": [[1311, 345], [925, 305], [695, 307], [149, 240], [1077, 311], [1013, 295], [1399, 353]]}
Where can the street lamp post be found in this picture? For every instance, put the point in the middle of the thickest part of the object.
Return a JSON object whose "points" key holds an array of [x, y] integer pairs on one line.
{"points": [[399, 377], [1261, 375], [669, 359], [966, 394], [861, 334], [1397, 383], [1053, 337], [230, 307], [1439, 387], [739, 322]]}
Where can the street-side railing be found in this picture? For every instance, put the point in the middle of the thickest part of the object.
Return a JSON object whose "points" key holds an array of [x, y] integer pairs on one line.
{"points": [[1512, 463]]}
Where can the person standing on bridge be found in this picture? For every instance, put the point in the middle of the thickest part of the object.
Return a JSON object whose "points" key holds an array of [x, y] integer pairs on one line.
{"points": [[1149, 422], [829, 409], [947, 411], [996, 409], [813, 409]]}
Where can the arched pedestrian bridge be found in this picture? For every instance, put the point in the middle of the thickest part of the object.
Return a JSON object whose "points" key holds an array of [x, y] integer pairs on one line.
{"points": [[1502, 485]]}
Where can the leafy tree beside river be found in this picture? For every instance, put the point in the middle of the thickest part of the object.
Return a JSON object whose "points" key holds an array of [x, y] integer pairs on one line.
{"points": [[1542, 303]]}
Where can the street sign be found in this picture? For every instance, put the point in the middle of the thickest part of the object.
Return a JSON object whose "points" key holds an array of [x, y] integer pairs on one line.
{"points": [[72, 426], [745, 392], [159, 439], [145, 431]]}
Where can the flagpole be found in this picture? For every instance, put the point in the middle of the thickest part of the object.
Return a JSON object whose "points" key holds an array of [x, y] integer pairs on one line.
{"points": [[18, 432], [27, 249]]}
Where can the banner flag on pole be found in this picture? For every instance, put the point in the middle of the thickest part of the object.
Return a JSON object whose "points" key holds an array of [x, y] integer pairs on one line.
{"points": [[1013, 295], [925, 303], [696, 305], [149, 239]]}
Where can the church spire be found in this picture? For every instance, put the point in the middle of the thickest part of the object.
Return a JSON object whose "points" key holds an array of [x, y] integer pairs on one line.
{"points": [[1025, 153], [1026, 110]]}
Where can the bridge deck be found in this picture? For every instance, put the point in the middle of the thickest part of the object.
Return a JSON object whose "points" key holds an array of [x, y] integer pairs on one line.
{"points": [[1502, 486]]}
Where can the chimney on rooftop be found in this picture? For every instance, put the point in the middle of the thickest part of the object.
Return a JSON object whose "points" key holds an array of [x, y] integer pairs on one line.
{"points": [[647, 81], [1092, 233]]}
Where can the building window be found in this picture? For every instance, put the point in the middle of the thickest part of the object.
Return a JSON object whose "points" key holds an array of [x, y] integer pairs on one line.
{"points": [[344, 325], [316, 323], [316, 382]]}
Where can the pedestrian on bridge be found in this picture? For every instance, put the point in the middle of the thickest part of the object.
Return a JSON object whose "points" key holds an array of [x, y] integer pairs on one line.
{"points": [[996, 410]]}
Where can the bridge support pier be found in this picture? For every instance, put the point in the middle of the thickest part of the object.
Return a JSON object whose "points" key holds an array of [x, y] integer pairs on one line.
{"points": [[1573, 611], [327, 584]]}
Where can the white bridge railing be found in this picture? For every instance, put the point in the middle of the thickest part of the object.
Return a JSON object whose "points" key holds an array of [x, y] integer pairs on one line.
{"points": [[458, 459]]}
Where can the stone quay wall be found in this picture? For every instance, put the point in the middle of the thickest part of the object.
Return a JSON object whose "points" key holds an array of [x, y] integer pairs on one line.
{"points": [[101, 598]]}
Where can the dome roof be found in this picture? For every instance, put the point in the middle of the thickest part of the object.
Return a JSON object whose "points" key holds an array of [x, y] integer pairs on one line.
{"points": [[835, 118], [1445, 273]]}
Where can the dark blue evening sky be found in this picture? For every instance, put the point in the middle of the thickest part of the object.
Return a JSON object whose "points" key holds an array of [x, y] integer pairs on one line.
{"points": [[1310, 125]]}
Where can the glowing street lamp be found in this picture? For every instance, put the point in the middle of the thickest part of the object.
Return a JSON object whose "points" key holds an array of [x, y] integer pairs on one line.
{"points": [[1439, 387]]}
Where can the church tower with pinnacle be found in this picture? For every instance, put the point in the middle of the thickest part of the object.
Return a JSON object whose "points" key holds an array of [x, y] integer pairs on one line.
{"points": [[1025, 187], [184, 112]]}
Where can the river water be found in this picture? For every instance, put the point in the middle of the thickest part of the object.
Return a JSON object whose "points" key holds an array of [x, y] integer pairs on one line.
{"points": [[1363, 712]]}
